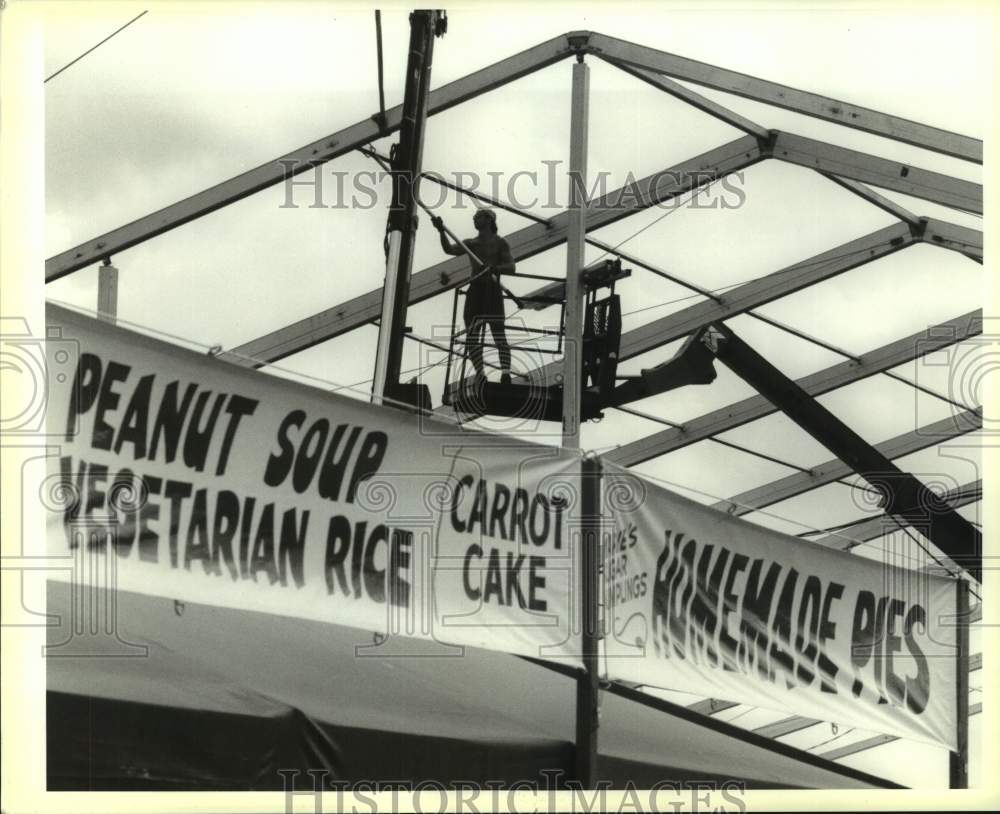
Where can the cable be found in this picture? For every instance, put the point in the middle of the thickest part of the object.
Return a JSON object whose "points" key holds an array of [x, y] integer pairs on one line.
{"points": [[748, 450], [740, 715], [671, 211], [680, 299], [841, 352], [761, 455], [929, 392], [796, 267], [89, 50], [828, 530]]}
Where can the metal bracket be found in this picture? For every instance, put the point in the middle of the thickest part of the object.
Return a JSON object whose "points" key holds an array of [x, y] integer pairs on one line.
{"points": [[766, 146], [440, 23], [711, 337], [579, 42], [919, 229], [382, 123]]}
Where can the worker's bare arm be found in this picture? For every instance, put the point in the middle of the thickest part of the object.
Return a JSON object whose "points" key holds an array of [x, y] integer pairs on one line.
{"points": [[450, 248], [446, 245]]}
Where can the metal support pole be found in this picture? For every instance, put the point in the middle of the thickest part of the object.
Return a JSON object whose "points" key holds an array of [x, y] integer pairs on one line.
{"points": [[587, 688], [904, 495], [575, 245], [107, 292], [958, 761], [402, 223]]}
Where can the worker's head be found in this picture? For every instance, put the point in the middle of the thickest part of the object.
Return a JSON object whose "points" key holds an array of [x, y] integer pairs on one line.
{"points": [[485, 219]]}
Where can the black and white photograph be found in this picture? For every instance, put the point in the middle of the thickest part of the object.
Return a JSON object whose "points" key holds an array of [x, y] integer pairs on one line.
{"points": [[504, 407]]}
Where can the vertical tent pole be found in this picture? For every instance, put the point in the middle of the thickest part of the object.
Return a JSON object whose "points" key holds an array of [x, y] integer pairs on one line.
{"points": [[577, 210], [107, 292], [590, 467], [588, 691], [958, 763]]}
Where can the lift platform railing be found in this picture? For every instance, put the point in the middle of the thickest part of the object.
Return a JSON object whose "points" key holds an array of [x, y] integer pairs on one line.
{"points": [[458, 348], [602, 334]]}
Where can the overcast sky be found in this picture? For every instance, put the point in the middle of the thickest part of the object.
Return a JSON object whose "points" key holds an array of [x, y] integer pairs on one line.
{"points": [[193, 94]]}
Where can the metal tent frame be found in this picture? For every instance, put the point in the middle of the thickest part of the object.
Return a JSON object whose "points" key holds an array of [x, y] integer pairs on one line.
{"points": [[852, 169]]}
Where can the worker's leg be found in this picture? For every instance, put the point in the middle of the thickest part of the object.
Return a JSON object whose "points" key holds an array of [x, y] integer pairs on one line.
{"points": [[476, 330], [500, 338]]}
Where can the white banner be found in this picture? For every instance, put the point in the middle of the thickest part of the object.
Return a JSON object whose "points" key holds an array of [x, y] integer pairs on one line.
{"points": [[216, 484], [702, 602]]}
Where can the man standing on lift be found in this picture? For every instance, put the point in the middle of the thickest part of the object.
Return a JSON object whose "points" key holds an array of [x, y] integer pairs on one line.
{"points": [[484, 299]]}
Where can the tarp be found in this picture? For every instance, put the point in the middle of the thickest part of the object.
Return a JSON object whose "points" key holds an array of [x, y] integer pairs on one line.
{"points": [[702, 602], [187, 696]]}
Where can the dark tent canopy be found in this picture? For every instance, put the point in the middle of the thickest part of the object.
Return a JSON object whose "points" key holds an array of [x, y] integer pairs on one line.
{"points": [[192, 697]]}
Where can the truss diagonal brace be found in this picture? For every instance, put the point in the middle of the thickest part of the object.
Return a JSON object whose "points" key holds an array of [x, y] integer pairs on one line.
{"points": [[694, 99], [870, 195], [961, 239]]}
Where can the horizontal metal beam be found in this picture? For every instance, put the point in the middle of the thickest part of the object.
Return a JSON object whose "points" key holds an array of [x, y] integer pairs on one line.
{"points": [[860, 746], [711, 706], [303, 159], [832, 470], [786, 726], [788, 98], [960, 239], [735, 415], [694, 99], [874, 527], [906, 178], [527, 242]]}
